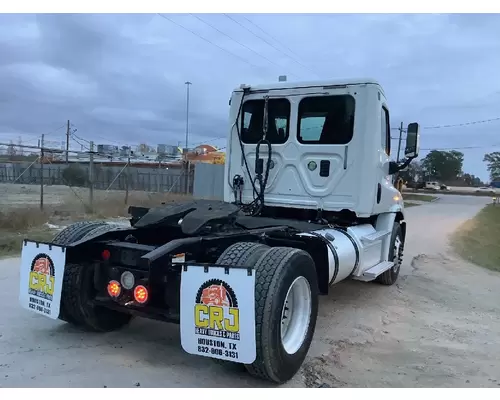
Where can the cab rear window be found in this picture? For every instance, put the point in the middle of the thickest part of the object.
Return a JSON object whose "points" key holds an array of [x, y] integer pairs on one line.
{"points": [[326, 119]]}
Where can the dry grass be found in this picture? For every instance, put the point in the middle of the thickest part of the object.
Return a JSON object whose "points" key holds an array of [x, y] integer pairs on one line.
{"points": [[112, 204], [18, 222], [477, 240], [11, 242], [19, 219]]}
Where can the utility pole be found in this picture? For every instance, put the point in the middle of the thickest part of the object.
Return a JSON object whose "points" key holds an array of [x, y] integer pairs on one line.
{"points": [[187, 137], [41, 172], [67, 143], [91, 177], [400, 138], [187, 83]]}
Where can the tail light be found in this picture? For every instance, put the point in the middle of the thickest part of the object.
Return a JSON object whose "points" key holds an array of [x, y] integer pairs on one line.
{"points": [[141, 294], [114, 289], [106, 254]]}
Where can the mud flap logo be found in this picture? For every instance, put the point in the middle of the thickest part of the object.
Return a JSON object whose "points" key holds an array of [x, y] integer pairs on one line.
{"points": [[216, 312], [42, 277], [39, 284]]}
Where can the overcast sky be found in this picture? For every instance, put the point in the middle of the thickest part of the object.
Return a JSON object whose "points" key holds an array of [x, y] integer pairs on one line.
{"points": [[121, 77]]}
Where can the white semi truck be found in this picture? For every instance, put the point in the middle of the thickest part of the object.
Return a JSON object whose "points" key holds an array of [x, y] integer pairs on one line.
{"points": [[308, 202]]}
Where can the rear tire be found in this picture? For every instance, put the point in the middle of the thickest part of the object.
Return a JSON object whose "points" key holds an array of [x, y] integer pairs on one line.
{"points": [[278, 270], [78, 285], [242, 254], [76, 232], [73, 233], [77, 294], [396, 248]]}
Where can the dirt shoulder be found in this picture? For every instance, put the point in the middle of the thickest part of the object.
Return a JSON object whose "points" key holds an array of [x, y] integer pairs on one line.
{"points": [[436, 327]]}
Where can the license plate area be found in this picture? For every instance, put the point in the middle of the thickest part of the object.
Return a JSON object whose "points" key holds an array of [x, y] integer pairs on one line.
{"points": [[127, 254]]}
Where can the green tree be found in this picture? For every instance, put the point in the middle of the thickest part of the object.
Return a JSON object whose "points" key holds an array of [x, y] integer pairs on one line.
{"points": [[471, 180], [492, 160], [412, 173], [443, 165], [74, 175]]}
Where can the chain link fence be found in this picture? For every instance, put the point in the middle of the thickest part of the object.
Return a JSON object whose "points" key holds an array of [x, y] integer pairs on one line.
{"points": [[93, 184]]}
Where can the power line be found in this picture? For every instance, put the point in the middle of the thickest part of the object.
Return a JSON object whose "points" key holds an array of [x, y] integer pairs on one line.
{"points": [[463, 124], [208, 41], [80, 143], [269, 43], [282, 44], [78, 137], [462, 148], [271, 36], [236, 41], [55, 130], [483, 121]]}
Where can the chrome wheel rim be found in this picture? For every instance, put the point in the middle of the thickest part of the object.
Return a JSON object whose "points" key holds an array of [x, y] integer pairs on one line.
{"points": [[296, 315], [398, 254]]}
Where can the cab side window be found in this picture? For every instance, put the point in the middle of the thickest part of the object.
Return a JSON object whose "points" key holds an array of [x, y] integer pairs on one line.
{"points": [[386, 131]]}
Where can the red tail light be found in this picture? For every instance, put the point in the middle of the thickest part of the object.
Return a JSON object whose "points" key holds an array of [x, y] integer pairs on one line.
{"points": [[106, 254], [114, 289], [141, 294]]}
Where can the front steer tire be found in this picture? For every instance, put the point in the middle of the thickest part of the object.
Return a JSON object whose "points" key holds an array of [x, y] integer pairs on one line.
{"points": [[396, 248], [78, 284], [276, 270]]}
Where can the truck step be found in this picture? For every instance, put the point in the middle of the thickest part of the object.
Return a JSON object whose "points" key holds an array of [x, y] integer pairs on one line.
{"points": [[378, 269], [373, 237]]}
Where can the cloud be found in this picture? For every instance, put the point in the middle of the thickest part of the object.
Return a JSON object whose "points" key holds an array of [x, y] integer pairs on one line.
{"points": [[121, 77]]}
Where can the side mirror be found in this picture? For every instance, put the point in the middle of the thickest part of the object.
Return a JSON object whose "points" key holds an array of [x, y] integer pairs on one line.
{"points": [[412, 140]]}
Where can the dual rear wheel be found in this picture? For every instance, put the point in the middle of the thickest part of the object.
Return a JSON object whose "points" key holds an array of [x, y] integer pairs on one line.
{"points": [[78, 287], [286, 306]]}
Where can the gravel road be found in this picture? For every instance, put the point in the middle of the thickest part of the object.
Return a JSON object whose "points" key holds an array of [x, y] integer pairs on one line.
{"points": [[437, 327]]}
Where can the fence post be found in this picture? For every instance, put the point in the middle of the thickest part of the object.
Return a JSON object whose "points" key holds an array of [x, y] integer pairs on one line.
{"points": [[127, 178], [158, 177], [91, 177], [41, 174], [187, 176]]}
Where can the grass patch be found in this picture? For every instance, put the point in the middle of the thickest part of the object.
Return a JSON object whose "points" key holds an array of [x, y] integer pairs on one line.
{"points": [[11, 242], [453, 192], [410, 204], [419, 197], [477, 239], [18, 222]]}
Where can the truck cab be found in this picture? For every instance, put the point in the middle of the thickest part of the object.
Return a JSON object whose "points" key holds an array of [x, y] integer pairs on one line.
{"points": [[326, 146]]}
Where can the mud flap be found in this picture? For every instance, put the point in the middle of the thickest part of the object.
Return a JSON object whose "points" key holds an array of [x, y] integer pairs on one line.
{"points": [[217, 317], [41, 278]]}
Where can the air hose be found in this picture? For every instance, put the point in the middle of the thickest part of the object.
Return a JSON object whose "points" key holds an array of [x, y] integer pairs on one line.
{"points": [[255, 207]]}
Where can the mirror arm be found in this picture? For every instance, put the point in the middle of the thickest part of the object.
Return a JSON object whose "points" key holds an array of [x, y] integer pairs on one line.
{"points": [[395, 167], [406, 163]]}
